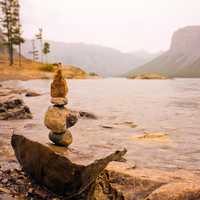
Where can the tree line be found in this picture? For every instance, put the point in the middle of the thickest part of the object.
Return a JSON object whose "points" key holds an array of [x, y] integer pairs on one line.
{"points": [[11, 27]]}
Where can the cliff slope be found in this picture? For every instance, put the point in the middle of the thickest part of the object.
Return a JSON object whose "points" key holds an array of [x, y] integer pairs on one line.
{"points": [[181, 60]]}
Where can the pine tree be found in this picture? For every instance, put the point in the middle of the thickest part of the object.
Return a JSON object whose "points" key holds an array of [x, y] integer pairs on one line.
{"points": [[10, 22], [46, 49], [17, 38]]}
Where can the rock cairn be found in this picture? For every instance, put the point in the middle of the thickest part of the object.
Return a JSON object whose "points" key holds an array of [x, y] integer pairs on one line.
{"points": [[58, 118]]}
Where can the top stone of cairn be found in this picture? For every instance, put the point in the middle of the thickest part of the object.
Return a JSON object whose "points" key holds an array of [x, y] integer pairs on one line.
{"points": [[59, 89]]}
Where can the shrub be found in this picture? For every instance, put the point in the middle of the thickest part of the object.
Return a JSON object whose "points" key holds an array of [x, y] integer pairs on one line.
{"points": [[47, 68], [93, 74]]}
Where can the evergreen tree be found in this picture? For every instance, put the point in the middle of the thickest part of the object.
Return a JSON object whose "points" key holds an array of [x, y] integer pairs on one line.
{"points": [[18, 40], [10, 23], [46, 49]]}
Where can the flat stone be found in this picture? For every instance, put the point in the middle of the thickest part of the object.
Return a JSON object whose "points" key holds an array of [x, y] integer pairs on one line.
{"points": [[60, 101], [64, 139]]}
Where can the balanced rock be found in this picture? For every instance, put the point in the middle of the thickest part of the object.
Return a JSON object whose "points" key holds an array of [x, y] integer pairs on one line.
{"points": [[58, 119], [59, 86], [55, 119], [64, 177], [59, 101], [64, 139]]}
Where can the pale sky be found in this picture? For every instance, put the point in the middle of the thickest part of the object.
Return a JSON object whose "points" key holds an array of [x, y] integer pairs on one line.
{"points": [[127, 25]]}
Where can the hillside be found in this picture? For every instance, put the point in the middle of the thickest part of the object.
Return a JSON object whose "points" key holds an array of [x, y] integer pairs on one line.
{"points": [[181, 60], [32, 70], [93, 58]]}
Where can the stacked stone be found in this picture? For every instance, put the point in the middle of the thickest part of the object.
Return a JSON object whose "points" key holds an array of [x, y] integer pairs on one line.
{"points": [[58, 118]]}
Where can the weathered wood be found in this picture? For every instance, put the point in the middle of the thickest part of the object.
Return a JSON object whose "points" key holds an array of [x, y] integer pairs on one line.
{"points": [[64, 177]]}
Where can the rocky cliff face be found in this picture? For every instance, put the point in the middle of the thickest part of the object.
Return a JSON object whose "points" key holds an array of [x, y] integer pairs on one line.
{"points": [[181, 60], [186, 41]]}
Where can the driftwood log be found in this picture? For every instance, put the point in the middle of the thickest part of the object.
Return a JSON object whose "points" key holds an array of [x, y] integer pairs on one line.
{"points": [[64, 177]]}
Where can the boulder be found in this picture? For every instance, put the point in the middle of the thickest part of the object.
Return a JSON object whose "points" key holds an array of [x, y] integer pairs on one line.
{"points": [[13, 107], [62, 176], [64, 139], [59, 85], [58, 119], [176, 191]]}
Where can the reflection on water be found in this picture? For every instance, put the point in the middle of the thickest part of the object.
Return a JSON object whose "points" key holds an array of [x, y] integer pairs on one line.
{"points": [[169, 106]]}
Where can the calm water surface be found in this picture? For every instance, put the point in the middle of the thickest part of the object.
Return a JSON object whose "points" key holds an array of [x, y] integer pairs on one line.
{"points": [[169, 106]]}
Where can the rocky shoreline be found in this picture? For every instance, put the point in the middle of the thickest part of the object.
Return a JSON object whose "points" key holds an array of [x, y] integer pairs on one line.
{"points": [[133, 182]]}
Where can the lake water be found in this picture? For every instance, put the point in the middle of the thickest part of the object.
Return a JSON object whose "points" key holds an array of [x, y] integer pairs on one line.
{"points": [[167, 106]]}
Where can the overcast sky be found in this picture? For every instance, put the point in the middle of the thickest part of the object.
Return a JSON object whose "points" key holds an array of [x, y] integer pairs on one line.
{"points": [[127, 25]]}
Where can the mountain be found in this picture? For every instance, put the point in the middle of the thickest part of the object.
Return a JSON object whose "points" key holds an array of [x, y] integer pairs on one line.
{"points": [[92, 58], [181, 60]]}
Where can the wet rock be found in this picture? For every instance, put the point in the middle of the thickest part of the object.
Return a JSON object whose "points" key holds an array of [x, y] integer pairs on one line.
{"points": [[32, 94], [64, 139], [13, 107], [176, 191], [62, 176], [88, 115], [106, 126], [59, 85]]}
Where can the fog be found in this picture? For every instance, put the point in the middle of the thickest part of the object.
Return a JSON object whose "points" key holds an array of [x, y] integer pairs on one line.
{"points": [[127, 25]]}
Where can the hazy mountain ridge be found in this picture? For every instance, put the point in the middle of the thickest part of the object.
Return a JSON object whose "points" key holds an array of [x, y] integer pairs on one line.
{"points": [[182, 59], [93, 58]]}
